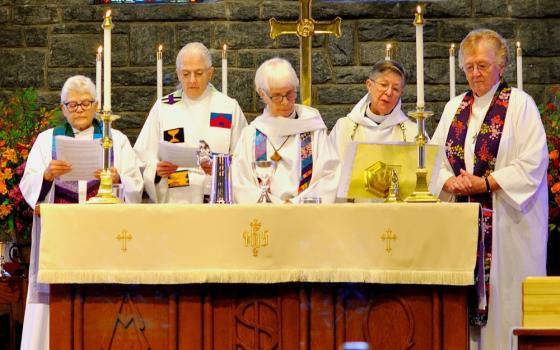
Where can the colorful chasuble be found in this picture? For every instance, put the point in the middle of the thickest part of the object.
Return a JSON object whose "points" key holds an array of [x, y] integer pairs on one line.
{"points": [[67, 191], [486, 149], [306, 156]]}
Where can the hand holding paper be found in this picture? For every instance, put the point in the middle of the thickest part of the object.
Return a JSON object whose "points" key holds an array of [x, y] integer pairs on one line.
{"points": [[180, 155], [84, 156]]}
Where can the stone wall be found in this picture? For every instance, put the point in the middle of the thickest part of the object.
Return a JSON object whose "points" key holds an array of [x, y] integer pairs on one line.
{"points": [[45, 41]]}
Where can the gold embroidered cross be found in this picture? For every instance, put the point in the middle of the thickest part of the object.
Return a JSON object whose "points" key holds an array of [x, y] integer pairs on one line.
{"points": [[387, 236], [255, 238], [123, 237]]}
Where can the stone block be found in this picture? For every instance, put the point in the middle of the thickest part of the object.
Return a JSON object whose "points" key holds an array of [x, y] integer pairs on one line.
{"points": [[447, 8], [197, 31], [80, 28], [339, 94], [83, 13], [341, 49], [170, 12], [79, 50], [241, 11], [217, 58], [11, 37], [4, 15], [291, 55], [145, 40], [26, 15], [331, 113], [130, 121], [246, 58], [132, 98], [351, 75], [49, 100], [371, 52], [535, 8], [328, 10], [541, 70], [397, 30], [321, 70], [505, 26], [53, 2], [281, 10], [36, 36], [436, 71], [57, 76], [22, 68], [492, 8], [138, 76], [241, 87], [455, 30], [438, 50], [287, 41], [242, 35], [540, 37]]}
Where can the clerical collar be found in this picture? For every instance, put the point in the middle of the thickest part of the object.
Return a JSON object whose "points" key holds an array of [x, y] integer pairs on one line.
{"points": [[83, 133], [487, 96], [378, 119]]}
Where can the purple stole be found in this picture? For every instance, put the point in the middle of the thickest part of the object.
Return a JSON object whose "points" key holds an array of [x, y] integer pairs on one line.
{"points": [[486, 149], [306, 156]]}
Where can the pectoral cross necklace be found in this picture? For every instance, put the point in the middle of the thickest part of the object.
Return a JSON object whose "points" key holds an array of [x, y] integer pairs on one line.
{"points": [[275, 156]]}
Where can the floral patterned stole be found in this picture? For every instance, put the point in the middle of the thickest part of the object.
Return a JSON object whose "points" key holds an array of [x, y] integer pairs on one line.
{"points": [[486, 149]]}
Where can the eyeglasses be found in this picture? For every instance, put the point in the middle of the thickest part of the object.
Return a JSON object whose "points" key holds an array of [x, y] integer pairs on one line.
{"points": [[290, 97], [482, 67], [73, 106], [385, 86]]}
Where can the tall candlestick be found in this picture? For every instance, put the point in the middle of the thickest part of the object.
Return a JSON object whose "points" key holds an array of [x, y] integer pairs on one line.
{"points": [[159, 73], [224, 70], [98, 76], [519, 67], [452, 71], [107, 26], [419, 23], [388, 49]]}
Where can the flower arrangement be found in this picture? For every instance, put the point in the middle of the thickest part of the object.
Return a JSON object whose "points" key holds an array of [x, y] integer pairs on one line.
{"points": [[550, 113], [20, 122]]}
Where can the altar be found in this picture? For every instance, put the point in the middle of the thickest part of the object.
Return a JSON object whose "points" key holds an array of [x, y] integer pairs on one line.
{"points": [[258, 276]]}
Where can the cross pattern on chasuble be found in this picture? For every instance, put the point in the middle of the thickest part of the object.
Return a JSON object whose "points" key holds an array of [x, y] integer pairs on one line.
{"points": [[305, 28]]}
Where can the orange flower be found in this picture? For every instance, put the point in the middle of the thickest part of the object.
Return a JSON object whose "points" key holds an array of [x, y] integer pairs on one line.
{"points": [[10, 155], [8, 173], [555, 188], [5, 210], [3, 188], [553, 155]]}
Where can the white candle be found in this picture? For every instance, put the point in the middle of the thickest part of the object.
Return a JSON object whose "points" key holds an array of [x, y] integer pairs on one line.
{"points": [[452, 71], [107, 26], [159, 64], [224, 70], [98, 76], [388, 52], [519, 67], [419, 23]]}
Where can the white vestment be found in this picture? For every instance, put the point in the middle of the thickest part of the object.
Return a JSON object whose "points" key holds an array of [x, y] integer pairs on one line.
{"points": [[356, 126], [36, 322], [193, 117], [284, 134], [520, 207]]}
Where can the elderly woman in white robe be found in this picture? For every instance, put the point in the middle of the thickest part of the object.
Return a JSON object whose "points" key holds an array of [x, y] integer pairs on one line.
{"points": [[496, 153], [41, 183], [292, 135], [378, 116]]}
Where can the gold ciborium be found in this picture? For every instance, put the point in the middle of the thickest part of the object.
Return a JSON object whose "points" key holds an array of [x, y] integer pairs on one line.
{"points": [[105, 192], [421, 192]]}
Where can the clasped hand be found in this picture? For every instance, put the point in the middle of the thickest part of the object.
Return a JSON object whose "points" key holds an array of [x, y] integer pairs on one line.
{"points": [[465, 184]]}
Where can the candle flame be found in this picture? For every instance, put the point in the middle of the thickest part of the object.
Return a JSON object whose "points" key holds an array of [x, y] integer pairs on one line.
{"points": [[518, 44], [452, 46], [108, 13], [160, 48], [418, 9], [225, 47], [389, 46], [100, 49]]}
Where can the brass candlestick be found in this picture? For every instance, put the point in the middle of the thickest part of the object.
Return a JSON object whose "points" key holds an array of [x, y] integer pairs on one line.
{"points": [[421, 192], [105, 192]]}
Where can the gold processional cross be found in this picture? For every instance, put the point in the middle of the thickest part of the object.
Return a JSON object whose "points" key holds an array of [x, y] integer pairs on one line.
{"points": [[305, 28]]}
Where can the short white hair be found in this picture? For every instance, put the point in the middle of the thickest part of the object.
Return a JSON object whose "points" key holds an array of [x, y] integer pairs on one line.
{"points": [[191, 49], [79, 84], [275, 71]]}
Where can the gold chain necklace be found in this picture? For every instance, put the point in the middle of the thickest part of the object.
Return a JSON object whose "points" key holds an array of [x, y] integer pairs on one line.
{"points": [[275, 156]]}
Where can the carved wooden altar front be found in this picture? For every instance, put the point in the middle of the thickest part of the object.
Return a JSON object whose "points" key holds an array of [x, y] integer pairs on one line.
{"points": [[250, 316]]}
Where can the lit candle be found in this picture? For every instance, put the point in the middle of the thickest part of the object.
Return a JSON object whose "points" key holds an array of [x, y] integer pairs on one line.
{"points": [[519, 67], [452, 71], [107, 26], [98, 76], [159, 63], [388, 52], [419, 23], [224, 70]]}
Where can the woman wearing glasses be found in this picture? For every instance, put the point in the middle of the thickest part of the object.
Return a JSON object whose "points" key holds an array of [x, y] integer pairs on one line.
{"points": [[292, 135], [496, 152], [41, 183], [378, 116]]}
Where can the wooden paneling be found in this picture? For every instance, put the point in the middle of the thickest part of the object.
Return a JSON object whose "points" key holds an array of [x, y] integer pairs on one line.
{"points": [[298, 316]]}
